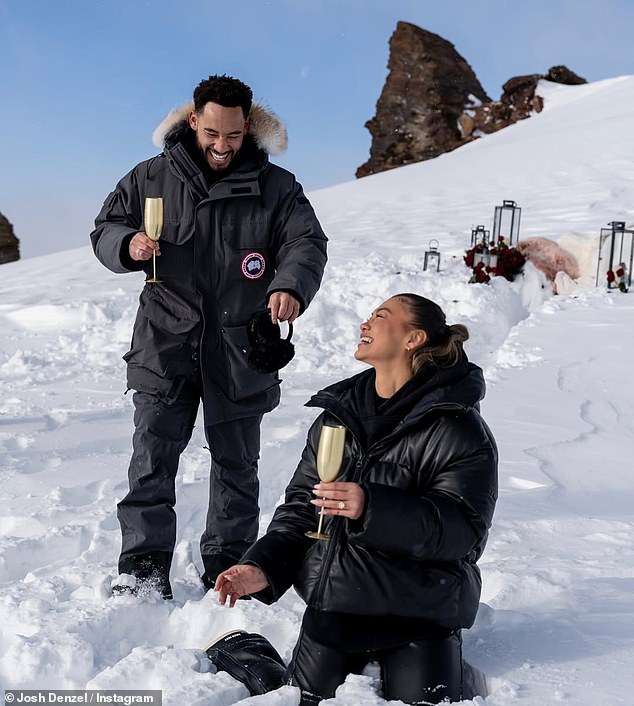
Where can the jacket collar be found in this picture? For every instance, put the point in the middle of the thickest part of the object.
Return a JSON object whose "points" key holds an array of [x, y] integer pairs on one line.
{"points": [[452, 392], [241, 180]]}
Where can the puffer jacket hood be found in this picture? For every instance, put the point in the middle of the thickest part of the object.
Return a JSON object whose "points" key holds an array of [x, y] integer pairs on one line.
{"points": [[265, 127]]}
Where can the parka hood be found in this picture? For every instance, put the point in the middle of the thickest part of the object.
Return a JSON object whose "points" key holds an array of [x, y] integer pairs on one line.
{"points": [[265, 127]]}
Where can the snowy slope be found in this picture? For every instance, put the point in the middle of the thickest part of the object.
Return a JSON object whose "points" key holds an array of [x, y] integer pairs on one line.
{"points": [[557, 622]]}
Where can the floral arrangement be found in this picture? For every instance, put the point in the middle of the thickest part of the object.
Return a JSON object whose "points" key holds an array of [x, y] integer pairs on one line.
{"points": [[507, 262], [617, 278]]}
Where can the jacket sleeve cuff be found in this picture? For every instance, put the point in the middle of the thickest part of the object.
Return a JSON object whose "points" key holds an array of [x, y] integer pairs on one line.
{"points": [[266, 595], [279, 557], [124, 255], [111, 248]]}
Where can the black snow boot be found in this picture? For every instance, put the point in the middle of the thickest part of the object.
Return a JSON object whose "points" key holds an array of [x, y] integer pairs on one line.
{"points": [[249, 658], [474, 682], [142, 574]]}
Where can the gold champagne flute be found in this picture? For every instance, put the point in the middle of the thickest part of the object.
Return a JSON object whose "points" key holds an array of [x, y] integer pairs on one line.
{"points": [[153, 220], [329, 458]]}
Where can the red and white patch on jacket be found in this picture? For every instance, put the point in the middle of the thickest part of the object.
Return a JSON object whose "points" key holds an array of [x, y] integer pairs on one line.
{"points": [[253, 265]]}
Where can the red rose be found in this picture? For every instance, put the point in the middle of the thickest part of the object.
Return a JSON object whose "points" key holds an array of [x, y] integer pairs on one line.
{"points": [[610, 277]]}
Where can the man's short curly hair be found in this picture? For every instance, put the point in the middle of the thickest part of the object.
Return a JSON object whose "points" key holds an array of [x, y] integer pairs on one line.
{"points": [[223, 90]]}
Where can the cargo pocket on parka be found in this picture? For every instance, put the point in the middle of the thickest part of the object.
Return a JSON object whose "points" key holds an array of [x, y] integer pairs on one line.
{"points": [[166, 332], [242, 381]]}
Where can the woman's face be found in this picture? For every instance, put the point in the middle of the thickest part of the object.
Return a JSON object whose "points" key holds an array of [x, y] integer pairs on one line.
{"points": [[387, 334]]}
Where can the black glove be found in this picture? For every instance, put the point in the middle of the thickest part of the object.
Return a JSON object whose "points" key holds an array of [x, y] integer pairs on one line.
{"points": [[269, 351]]}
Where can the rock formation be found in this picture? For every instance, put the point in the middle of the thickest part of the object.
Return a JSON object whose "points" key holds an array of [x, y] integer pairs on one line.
{"points": [[519, 100], [432, 101], [426, 91], [9, 244]]}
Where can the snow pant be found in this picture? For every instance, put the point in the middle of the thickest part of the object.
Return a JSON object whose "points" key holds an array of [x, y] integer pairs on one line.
{"points": [[146, 514], [422, 672]]}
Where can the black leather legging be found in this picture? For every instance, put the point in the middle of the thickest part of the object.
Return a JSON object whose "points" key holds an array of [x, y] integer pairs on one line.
{"points": [[422, 672]]}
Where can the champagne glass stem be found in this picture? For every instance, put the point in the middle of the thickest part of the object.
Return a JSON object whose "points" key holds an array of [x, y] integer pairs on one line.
{"points": [[154, 264], [321, 521]]}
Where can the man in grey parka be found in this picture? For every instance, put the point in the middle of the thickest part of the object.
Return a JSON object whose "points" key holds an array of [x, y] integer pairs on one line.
{"points": [[238, 235]]}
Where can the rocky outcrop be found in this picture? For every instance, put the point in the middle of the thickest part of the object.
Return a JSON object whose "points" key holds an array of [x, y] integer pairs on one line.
{"points": [[432, 101], [562, 74], [519, 101], [428, 88], [9, 244]]}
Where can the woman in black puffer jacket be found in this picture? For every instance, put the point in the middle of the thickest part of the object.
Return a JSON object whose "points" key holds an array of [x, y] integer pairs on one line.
{"points": [[408, 517]]}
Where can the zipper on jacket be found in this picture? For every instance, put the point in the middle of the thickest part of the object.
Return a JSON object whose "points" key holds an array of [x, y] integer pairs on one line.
{"points": [[205, 309], [337, 529], [327, 561]]}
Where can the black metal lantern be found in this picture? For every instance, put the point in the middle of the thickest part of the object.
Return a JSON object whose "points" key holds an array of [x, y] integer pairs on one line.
{"points": [[617, 260], [480, 235], [506, 223], [432, 255]]}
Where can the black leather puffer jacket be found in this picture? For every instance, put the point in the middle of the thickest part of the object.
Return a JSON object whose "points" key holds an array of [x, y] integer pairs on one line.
{"points": [[431, 488]]}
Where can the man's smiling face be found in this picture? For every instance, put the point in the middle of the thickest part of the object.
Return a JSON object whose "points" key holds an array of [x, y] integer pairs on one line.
{"points": [[219, 132]]}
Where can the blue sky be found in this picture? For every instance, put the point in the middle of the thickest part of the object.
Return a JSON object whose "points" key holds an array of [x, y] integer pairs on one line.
{"points": [[83, 83]]}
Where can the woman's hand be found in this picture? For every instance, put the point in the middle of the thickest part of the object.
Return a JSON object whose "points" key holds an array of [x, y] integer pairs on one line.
{"points": [[339, 498], [239, 580]]}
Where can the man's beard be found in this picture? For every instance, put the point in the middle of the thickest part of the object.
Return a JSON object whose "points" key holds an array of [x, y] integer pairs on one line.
{"points": [[199, 155]]}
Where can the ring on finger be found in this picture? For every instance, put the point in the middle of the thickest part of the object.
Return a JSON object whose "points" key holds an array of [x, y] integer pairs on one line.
{"points": [[342, 505]]}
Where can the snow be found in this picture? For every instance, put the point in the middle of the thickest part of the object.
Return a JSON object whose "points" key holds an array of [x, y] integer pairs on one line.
{"points": [[556, 624]]}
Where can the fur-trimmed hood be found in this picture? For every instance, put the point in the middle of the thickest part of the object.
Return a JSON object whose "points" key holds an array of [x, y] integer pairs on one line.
{"points": [[266, 128]]}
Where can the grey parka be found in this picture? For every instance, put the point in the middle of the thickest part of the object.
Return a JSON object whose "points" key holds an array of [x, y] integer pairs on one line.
{"points": [[224, 250]]}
